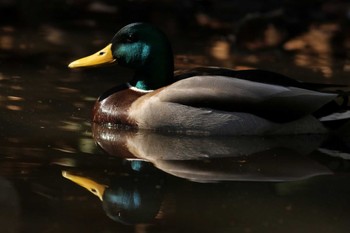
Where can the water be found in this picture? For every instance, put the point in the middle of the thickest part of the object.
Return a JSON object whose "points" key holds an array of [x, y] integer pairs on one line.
{"points": [[60, 173]]}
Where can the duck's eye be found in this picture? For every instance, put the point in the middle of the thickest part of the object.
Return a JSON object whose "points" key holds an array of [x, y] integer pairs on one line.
{"points": [[131, 38]]}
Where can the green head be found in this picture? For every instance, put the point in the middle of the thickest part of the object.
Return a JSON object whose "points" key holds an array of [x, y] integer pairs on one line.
{"points": [[141, 47]]}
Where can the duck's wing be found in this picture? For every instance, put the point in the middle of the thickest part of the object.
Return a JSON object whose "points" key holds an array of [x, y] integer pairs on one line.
{"points": [[279, 103], [262, 76]]}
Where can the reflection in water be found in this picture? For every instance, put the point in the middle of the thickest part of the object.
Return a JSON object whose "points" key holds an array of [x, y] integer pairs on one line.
{"points": [[138, 193], [285, 174], [209, 159], [132, 199]]}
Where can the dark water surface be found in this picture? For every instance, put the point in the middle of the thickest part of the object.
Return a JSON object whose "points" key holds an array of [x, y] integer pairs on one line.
{"points": [[60, 173]]}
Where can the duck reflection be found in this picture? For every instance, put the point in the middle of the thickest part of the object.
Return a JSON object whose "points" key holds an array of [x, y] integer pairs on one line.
{"points": [[213, 159], [154, 184], [130, 198]]}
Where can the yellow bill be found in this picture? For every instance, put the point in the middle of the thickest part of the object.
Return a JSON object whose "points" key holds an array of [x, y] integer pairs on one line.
{"points": [[104, 56], [92, 186]]}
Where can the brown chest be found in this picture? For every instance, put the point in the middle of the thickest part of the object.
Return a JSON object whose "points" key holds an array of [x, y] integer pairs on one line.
{"points": [[114, 107]]}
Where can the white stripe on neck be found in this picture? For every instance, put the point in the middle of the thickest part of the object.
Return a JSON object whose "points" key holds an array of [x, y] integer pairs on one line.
{"points": [[137, 89]]}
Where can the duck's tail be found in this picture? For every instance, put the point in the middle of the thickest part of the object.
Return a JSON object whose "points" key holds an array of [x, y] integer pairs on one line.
{"points": [[336, 114]]}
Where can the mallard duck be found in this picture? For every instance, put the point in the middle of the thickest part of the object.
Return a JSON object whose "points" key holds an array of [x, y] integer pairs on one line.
{"points": [[206, 100]]}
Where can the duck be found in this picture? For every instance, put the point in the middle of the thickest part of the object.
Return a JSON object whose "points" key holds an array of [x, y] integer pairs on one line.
{"points": [[205, 100]]}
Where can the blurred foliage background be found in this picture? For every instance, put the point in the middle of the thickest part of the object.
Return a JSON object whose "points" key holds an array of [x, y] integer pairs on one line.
{"points": [[226, 29]]}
